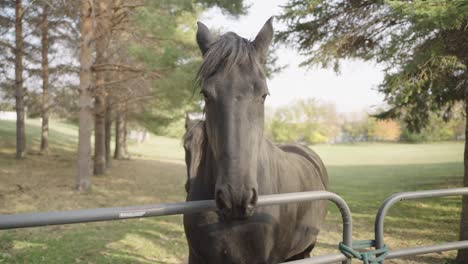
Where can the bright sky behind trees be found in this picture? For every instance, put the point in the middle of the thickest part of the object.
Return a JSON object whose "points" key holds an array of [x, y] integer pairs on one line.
{"points": [[352, 90]]}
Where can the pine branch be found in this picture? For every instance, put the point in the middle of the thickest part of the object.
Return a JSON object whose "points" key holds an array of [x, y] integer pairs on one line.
{"points": [[113, 83], [113, 67], [8, 45]]}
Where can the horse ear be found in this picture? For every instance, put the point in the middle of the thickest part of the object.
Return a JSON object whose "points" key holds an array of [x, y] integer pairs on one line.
{"points": [[204, 37], [263, 40]]}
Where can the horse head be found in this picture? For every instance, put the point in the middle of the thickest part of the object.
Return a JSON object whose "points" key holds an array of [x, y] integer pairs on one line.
{"points": [[193, 142], [234, 87]]}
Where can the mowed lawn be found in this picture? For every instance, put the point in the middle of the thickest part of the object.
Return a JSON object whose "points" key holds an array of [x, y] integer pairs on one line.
{"points": [[364, 174]]}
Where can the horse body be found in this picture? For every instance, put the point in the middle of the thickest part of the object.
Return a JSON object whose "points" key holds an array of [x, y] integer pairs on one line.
{"points": [[237, 163], [263, 237]]}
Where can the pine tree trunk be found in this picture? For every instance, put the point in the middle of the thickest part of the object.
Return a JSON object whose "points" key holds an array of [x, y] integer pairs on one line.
{"points": [[19, 91], [99, 135], [462, 256], [102, 28], [125, 135], [108, 131], [83, 180], [45, 80], [119, 131]]}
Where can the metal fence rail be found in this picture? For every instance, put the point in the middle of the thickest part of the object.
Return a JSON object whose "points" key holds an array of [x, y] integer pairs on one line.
{"points": [[379, 229], [392, 254], [389, 202], [120, 213], [405, 252]]}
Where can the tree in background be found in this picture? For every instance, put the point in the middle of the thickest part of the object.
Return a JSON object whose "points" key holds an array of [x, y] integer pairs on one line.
{"points": [[438, 128], [19, 89], [12, 47], [280, 127], [152, 62], [56, 20], [45, 77], [230, 7], [386, 130], [144, 88], [175, 57], [424, 45], [147, 85], [101, 37], [46, 32], [83, 180], [356, 127], [112, 70], [321, 121], [12, 42], [305, 120]]}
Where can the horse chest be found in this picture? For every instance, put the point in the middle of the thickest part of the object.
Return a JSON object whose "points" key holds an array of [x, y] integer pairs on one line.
{"points": [[250, 241]]}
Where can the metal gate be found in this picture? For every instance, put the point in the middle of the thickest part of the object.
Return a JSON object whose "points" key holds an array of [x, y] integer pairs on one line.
{"points": [[120, 213]]}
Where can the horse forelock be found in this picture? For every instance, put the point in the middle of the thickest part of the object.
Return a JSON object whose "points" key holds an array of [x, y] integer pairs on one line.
{"points": [[227, 51]]}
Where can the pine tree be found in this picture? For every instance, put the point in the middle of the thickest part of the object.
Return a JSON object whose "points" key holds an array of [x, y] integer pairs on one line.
{"points": [[83, 180], [424, 45]]}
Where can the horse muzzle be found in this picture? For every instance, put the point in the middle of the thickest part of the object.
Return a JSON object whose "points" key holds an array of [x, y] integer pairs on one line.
{"points": [[235, 204]]}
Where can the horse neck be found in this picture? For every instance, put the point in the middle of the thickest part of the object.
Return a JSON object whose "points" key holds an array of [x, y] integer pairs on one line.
{"points": [[268, 163]]}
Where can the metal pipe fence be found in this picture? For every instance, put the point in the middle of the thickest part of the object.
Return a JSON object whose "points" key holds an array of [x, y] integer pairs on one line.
{"points": [[392, 200], [392, 254], [379, 229], [129, 212], [120, 213]]}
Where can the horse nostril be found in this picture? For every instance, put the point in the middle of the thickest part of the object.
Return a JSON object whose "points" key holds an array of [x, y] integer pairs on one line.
{"points": [[221, 202]]}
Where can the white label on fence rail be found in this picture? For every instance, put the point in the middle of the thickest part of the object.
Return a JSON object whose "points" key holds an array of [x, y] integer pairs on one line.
{"points": [[131, 214]]}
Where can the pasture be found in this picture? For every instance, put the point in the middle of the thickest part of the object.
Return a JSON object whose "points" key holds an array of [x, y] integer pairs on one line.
{"points": [[363, 174]]}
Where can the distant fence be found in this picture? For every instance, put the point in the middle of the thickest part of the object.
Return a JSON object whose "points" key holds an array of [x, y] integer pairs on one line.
{"points": [[120, 213]]}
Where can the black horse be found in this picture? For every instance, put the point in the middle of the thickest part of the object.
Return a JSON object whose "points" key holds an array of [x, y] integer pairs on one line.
{"points": [[193, 141], [237, 164]]}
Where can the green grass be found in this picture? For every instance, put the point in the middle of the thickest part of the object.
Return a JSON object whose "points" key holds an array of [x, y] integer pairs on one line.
{"points": [[390, 154], [364, 174], [63, 137]]}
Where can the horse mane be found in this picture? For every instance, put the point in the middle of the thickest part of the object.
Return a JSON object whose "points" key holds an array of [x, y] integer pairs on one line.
{"points": [[228, 50], [189, 133]]}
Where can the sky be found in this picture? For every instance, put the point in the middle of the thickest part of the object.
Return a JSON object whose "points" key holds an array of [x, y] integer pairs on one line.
{"points": [[352, 90]]}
